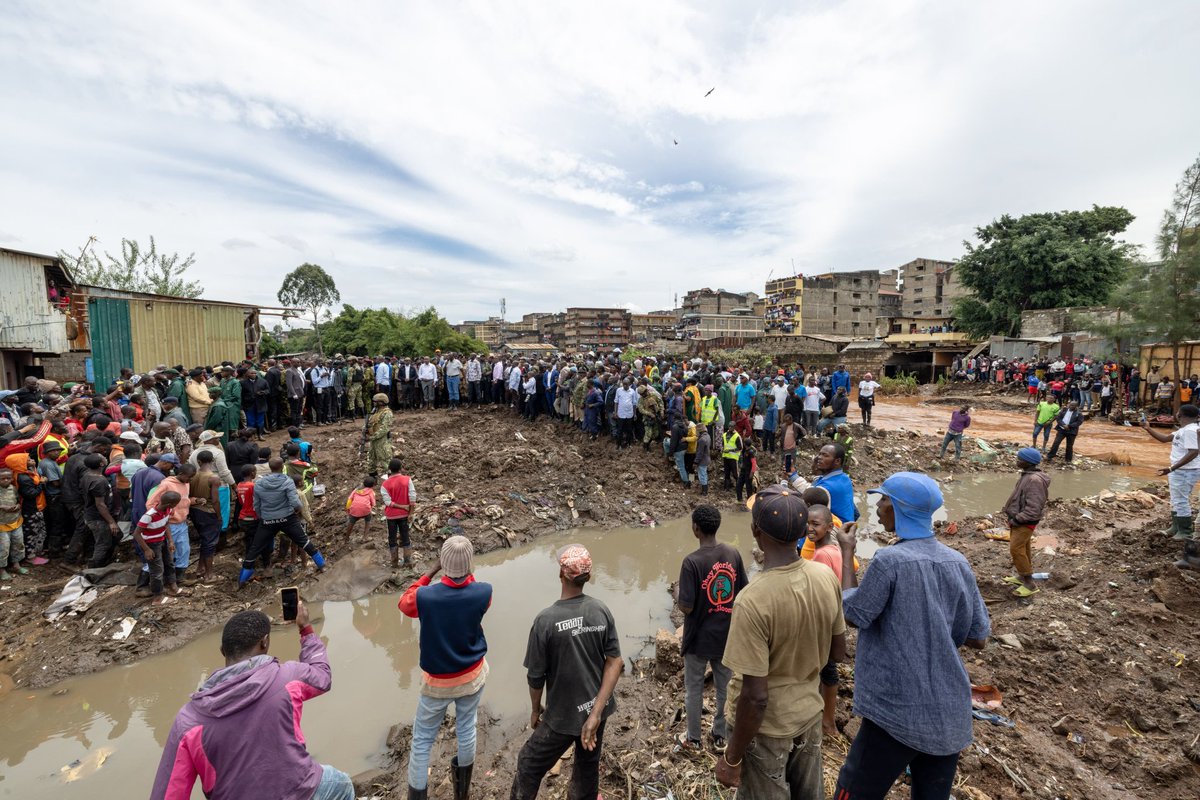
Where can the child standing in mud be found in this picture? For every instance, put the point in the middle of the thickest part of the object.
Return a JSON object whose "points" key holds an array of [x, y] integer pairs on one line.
{"points": [[359, 506], [1024, 509]]}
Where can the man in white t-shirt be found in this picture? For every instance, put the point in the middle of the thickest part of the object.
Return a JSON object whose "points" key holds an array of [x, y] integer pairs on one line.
{"points": [[866, 397], [1182, 476], [780, 392]]}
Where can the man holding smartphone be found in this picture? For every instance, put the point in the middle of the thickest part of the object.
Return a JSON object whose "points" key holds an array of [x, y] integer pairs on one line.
{"points": [[240, 732]]}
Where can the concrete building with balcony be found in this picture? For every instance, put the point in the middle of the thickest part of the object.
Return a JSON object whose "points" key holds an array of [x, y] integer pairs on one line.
{"points": [[598, 329], [553, 329], [890, 304], [707, 327], [841, 303], [646, 328], [783, 306]]}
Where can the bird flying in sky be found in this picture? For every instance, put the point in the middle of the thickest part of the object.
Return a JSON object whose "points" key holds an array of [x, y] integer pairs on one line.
{"points": [[710, 91]]}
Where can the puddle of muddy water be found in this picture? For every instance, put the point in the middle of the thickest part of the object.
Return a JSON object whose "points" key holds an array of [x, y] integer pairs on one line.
{"points": [[101, 735], [114, 723]]}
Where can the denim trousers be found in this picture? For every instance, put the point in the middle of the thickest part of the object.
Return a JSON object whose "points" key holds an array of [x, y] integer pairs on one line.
{"points": [[430, 713], [811, 418], [334, 785], [1044, 429], [951, 436], [702, 474], [452, 384], [693, 681], [1182, 482], [183, 545], [680, 464]]}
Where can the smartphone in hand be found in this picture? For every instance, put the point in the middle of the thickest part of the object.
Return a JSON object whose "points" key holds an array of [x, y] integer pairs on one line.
{"points": [[290, 596]]}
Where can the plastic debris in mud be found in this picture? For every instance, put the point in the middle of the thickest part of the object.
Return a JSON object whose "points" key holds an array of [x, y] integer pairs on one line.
{"points": [[126, 628]]}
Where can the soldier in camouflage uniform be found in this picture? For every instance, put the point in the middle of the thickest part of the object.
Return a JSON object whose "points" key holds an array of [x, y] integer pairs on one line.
{"points": [[355, 383], [379, 436], [650, 408]]}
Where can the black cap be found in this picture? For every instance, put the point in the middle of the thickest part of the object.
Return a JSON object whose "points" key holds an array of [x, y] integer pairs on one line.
{"points": [[779, 512]]}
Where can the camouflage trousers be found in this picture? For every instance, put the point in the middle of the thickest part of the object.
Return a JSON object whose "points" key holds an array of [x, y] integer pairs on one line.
{"points": [[379, 453], [355, 402]]}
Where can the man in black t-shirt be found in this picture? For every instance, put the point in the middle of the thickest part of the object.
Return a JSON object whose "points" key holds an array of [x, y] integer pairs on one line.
{"points": [[97, 495], [575, 655], [708, 581]]}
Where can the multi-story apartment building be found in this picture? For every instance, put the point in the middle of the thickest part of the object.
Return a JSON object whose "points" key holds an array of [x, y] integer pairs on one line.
{"points": [[651, 326], [890, 308], [553, 329], [841, 303], [707, 301], [922, 288], [782, 314], [596, 329], [704, 327], [485, 330]]}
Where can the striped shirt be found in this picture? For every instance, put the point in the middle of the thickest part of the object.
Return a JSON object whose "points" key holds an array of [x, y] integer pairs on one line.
{"points": [[153, 524]]}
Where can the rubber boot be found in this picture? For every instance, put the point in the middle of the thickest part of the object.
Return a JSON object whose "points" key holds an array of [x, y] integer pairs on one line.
{"points": [[1186, 527], [408, 556], [143, 584], [704, 489], [1173, 528], [417, 794], [1191, 556], [462, 779], [395, 553], [180, 575]]}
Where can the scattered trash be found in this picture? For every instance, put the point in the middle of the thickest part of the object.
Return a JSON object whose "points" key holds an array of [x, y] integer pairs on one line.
{"points": [[986, 697], [1041, 576], [1065, 726], [993, 717], [997, 534], [75, 598], [519, 436], [1086, 514], [1010, 640], [1077, 738], [519, 497], [126, 628]]}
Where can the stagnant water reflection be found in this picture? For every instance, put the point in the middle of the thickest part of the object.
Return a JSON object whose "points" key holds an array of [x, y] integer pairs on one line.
{"points": [[101, 735]]}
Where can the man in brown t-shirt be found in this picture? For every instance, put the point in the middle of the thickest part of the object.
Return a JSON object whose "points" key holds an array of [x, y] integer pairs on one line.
{"points": [[786, 625]]}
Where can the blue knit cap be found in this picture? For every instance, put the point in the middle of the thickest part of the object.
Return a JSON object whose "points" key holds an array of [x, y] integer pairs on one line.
{"points": [[1030, 455]]}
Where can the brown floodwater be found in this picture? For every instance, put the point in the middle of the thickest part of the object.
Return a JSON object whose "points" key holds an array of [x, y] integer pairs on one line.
{"points": [[1096, 438], [101, 735]]}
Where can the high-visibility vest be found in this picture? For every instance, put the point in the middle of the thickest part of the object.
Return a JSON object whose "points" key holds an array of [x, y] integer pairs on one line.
{"points": [[708, 409], [732, 445]]}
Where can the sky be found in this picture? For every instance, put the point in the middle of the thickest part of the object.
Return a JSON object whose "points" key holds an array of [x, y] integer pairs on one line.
{"points": [[557, 154]]}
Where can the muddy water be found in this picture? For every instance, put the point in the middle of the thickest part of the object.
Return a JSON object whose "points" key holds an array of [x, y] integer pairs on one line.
{"points": [[101, 735], [1096, 438], [115, 723]]}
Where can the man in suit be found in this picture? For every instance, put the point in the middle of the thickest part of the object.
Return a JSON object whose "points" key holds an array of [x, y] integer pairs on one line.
{"points": [[1066, 426]]}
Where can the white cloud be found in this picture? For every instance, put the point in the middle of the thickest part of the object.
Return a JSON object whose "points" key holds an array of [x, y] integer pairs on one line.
{"points": [[455, 154]]}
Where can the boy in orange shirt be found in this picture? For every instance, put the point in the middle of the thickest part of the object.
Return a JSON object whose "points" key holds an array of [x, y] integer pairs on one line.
{"points": [[359, 505]]}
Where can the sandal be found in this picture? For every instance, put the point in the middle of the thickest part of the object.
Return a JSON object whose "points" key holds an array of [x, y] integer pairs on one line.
{"points": [[684, 745], [1013, 579], [1024, 591]]}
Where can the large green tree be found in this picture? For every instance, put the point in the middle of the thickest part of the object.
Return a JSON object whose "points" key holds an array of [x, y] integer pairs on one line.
{"points": [[1048, 260], [1164, 296], [310, 287], [137, 269], [371, 331]]}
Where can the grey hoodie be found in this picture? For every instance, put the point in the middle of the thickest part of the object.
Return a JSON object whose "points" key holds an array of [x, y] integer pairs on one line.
{"points": [[275, 497]]}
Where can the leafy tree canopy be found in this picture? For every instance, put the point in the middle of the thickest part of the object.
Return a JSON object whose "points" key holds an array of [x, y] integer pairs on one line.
{"points": [[137, 269], [1048, 260], [310, 287], [374, 331]]}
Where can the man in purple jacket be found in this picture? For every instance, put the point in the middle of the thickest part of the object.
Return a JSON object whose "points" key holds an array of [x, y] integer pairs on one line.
{"points": [[960, 420], [240, 733]]}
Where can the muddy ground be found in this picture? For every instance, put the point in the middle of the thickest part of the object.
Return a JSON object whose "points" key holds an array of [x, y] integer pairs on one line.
{"points": [[485, 474]]}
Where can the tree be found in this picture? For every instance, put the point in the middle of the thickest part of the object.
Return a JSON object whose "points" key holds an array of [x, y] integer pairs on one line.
{"points": [[310, 287], [1047, 260], [269, 346], [136, 270], [1165, 296], [371, 331]]}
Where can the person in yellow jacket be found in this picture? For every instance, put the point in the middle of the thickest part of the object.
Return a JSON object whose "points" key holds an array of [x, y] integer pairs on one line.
{"points": [[731, 449], [691, 400], [709, 407], [197, 396]]}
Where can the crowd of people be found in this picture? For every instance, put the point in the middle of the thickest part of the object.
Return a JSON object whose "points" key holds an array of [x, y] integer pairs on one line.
{"points": [[1095, 384]]}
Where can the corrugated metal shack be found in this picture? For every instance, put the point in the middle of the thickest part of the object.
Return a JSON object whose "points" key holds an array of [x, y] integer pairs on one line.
{"points": [[141, 331], [33, 313]]}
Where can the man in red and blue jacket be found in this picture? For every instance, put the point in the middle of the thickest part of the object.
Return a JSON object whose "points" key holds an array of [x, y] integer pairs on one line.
{"points": [[453, 660], [240, 733]]}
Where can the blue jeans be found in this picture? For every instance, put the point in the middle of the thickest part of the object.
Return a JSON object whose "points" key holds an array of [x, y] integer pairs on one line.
{"points": [[452, 385], [1044, 429], [183, 545], [680, 455], [255, 419], [834, 421], [702, 473], [430, 713], [334, 785]]}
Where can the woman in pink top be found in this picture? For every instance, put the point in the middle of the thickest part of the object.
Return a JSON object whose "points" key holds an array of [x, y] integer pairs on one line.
{"points": [[359, 505]]}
